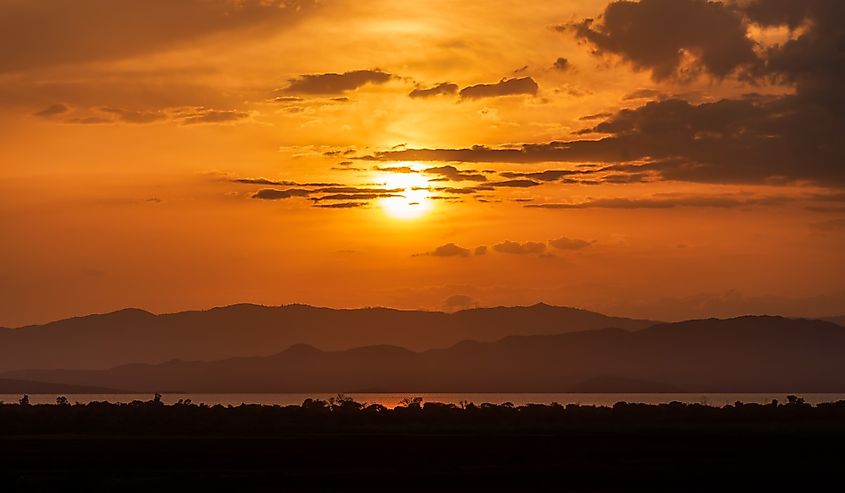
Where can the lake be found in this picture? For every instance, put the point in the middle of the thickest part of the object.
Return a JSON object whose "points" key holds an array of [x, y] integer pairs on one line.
{"points": [[394, 399]]}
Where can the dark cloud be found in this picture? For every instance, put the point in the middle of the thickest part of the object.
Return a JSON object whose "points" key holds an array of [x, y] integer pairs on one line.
{"points": [[319, 195], [813, 60], [446, 173], [562, 64], [564, 243], [791, 138], [643, 94], [464, 190], [54, 32], [458, 302], [447, 250], [52, 110], [353, 190], [353, 196], [656, 35], [480, 250], [273, 194], [444, 88], [396, 169], [549, 175], [513, 247], [347, 166], [505, 87], [341, 205], [454, 174], [669, 202], [516, 183], [333, 83], [596, 116], [286, 183], [288, 99], [784, 139]]}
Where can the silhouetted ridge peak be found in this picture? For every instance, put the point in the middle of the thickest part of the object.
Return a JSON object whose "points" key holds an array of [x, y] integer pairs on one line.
{"points": [[238, 307], [747, 326], [301, 349], [246, 330], [380, 350]]}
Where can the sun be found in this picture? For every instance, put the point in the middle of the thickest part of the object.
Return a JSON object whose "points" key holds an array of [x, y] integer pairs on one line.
{"points": [[411, 196]]}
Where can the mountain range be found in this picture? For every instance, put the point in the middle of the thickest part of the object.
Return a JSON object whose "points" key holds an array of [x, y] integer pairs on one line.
{"points": [[136, 336], [745, 354]]}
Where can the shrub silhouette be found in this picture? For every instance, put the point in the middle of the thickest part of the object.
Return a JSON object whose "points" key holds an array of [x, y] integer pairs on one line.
{"points": [[343, 414]]}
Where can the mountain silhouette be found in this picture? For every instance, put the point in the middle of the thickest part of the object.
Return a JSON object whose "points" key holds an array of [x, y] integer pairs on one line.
{"points": [[132, 335], [837, 320], [746, 354]]}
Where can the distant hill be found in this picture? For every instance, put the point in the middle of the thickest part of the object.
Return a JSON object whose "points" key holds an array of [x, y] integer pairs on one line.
{"points": [[837, 320], [131, 335], [11, 386], [747, 354]]}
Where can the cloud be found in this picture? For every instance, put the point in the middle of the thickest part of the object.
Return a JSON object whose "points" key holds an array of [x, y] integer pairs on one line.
{"points": [[749, 140], [273, 194], [668, 202], [448, 250], [286, 183], [564, 243], [516, 183], [130, 116], [660, 36], [643, 94], [341, 205], [548, 175], [52, 110], [58, 32], [454, 174], [596, 116], [464, 190], [505, 87], [354, 196], [356, 190], [288, 99], [89, 120], [513, 247], [812, 60], [458, 302], [185, 116], [444, 88], [561, 64], [712, 37], [205, 115], [334, 83]]}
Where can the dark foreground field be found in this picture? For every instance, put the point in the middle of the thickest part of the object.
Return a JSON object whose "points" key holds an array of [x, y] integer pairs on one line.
{"points": [[343, 446]]}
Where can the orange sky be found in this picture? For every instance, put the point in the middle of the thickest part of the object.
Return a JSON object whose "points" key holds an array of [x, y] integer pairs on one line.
{"points": [[184, 154]]}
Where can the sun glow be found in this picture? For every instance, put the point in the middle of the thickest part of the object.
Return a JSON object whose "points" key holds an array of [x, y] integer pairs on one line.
{"points": [[410, 194]]}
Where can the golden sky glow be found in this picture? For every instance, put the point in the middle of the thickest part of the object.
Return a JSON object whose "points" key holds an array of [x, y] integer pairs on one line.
{"points": [[434, 155]]}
